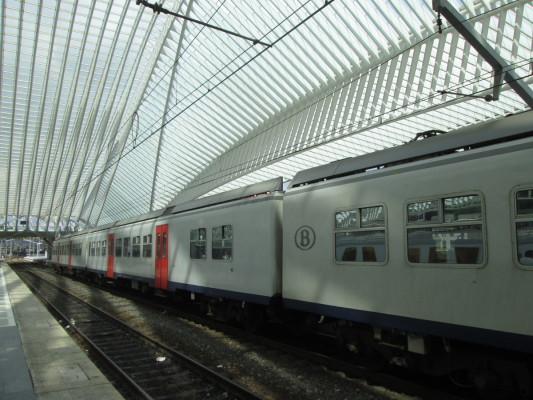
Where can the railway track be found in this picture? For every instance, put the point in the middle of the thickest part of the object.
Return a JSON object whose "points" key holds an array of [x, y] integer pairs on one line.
{"points": [[298, 350], [150, 369]]}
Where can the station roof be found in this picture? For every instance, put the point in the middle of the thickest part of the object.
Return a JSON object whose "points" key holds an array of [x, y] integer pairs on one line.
{"points": [[112, 109]]}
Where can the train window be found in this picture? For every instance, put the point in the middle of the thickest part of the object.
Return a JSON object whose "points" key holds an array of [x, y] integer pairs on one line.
{"points": [[126, 249], [147, 246], [136, 246], [524, 202], [462, 208], [98, 249], [222, 245], [92, 248], [360, 235], [164, 248], [198, 244], [104, 247], [423, 212], [345, 219], [524, 226], [454, 234], [118, 248], [372, 216]]}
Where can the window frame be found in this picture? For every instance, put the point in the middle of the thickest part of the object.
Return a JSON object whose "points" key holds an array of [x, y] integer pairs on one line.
{"points": [[204, 241], [126, 246], [515, 219], [136, 246], [149, 245], [222, 239], [118, 247], [442, 223], [360, 228]]}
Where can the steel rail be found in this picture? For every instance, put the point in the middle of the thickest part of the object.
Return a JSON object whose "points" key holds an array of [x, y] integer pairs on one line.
{"points": [[231, 387]]}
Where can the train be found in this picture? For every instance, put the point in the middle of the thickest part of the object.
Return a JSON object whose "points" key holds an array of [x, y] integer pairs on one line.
{"points": [[419, 255]]}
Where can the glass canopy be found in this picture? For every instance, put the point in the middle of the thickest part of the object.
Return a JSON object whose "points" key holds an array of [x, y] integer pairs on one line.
{"points": [[109, 109]]}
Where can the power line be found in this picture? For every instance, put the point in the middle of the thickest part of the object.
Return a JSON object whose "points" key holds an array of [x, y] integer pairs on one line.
{"points": [[157, 8], [150, 134]]}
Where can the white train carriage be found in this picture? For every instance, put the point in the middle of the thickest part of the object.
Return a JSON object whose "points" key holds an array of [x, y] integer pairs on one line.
{"points": [[412, 252], [226, 246], [230, 250], [430, 239]]}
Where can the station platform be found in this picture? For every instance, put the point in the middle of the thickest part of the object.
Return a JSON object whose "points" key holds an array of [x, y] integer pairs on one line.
{"points": [[38, 358]]}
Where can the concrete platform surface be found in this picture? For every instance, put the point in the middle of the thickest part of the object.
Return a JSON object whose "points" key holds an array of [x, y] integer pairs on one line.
{"points": [[38, 359]]}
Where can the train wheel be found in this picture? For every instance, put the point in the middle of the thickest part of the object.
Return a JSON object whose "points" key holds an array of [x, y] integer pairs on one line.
{"points": [[492, 385], [144, 288], [252, 318]]}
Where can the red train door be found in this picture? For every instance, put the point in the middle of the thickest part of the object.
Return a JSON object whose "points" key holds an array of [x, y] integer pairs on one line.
{"points": [[110, 254], [70, 254], [161, 256]]}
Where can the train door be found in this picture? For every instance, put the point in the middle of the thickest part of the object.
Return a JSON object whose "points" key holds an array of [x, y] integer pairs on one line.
{"points": [[70, 254], [58, 248], [161, 256], [110, 255]]}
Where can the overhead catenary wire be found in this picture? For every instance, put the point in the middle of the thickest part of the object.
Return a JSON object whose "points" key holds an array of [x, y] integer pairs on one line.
{"points": [[150, 134], [175, 116], [206, 82], [157, 8], [294, 149]]}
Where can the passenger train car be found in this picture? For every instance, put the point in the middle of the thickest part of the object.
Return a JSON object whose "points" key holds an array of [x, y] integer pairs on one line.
{"points": [[227, 247], [421, 254]]}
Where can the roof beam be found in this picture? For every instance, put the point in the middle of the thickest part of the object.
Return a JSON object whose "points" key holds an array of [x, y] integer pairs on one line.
{"points": [[483, 47]]}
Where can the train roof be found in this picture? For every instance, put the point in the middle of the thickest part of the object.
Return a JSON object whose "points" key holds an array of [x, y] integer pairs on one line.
{"points": [[468, 137], [142, 217], [272, 185]]}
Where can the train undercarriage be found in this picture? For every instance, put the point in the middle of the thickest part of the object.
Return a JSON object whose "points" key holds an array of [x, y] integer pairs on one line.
{"points": [[496, 374]]}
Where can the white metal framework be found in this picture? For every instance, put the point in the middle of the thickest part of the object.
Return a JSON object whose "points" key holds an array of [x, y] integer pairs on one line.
{"points": [[109, 110]]}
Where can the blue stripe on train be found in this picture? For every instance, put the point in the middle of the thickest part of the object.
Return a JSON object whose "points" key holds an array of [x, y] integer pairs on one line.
{"points": [[208, 291], [507, 340], [227, 294]]}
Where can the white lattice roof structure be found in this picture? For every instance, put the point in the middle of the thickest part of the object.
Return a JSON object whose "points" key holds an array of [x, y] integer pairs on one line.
{"points": [[109, 110]]}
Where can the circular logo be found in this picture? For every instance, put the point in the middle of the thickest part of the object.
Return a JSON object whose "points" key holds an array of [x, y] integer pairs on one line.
{"points": [[305, 237]]}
